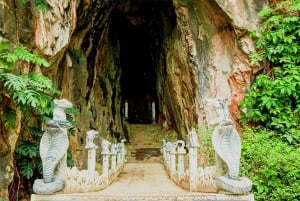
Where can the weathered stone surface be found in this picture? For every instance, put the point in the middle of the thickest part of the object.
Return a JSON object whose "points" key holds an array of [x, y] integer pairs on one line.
{"points": [[242, 13], [55, 26]]}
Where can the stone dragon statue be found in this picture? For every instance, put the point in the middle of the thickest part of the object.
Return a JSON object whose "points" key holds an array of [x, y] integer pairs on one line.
{"points": [[227, 144]]}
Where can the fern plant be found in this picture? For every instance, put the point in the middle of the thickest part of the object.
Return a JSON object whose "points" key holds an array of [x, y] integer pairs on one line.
{"points": [[27, 154], [32, 92]]}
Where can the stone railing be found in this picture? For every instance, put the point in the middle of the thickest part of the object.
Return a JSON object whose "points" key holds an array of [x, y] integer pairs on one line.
{"points": [[113, 160], [57, 177], [209, 179], [192, 177]]}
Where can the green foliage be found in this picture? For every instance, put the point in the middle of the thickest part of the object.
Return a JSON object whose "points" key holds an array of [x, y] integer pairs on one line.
{"points": [[9, 56], [32, 92], [40, 4], [274, 99], [78, 56], [70, 161], [27, 154], [70, 112], [272, 165], [9, 117]]}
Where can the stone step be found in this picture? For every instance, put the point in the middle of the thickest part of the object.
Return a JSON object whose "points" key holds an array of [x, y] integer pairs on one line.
{"points": [[145, 144]]}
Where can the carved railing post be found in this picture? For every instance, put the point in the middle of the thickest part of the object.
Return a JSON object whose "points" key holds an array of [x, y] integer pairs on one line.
{"points": [[105, 155], [180, 152], [91, 147], [122, 150], [163, 151], [193, 159], [119, 150], [168, 155], [172, 158], [114, 152]]}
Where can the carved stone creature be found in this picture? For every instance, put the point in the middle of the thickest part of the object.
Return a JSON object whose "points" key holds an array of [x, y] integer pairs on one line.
{"points": [[53, 151], [227, 144], [59, 109], [90, 136]]}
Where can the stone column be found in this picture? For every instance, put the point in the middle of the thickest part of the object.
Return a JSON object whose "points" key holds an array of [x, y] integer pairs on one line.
{"points": [[91, 161], [172, 158], [105, 155], [180, 152], [164, 151], [114, 152], [168, 155], [91, 147], [193, 159]]}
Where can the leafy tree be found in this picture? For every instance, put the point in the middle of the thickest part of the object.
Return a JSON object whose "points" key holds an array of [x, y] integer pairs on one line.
{"points": [[274, 98]]}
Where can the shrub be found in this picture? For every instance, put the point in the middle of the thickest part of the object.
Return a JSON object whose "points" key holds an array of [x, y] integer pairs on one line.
{"points": [[272, 164], [274, 98]]}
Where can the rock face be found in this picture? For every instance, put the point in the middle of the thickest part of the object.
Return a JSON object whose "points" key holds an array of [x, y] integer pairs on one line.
{"points": [[174, 53]]}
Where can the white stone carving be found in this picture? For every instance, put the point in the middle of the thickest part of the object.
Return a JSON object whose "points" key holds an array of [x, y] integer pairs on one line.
{"points": [[90, 136], [53, 151], [227, 144]]}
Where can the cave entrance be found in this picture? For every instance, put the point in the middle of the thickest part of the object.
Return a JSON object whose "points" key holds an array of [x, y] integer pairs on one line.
{"points": [[137, 32]]}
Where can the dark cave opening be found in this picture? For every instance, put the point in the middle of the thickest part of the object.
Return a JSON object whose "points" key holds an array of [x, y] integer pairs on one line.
{"points": [[137, 30]]}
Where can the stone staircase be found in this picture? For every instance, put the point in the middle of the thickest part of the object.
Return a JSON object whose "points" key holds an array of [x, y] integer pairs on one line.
{"points": [[143, 177], [145, 144]]}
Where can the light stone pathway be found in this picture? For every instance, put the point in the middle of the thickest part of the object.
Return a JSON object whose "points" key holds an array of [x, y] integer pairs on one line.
{"points": [[143, 178]]}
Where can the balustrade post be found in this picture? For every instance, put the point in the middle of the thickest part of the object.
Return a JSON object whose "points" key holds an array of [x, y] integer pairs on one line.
{"points": [[91, 147], [123, 150], [113, 152], [119, 154], [163, 151], [180, 152], [168, 154], [193, 159], [105, 155], [172, 158]]}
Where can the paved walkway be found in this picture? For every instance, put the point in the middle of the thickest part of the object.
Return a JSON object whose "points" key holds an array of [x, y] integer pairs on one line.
{"points": [[143, 178]]}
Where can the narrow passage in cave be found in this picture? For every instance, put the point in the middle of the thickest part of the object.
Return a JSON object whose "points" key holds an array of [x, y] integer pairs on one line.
{"points": [[136, 28]]}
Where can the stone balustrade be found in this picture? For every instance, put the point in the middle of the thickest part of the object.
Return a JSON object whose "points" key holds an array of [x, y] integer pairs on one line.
{"points": [[113, 160], [192, 178], [210, 179], [57, 177]]}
